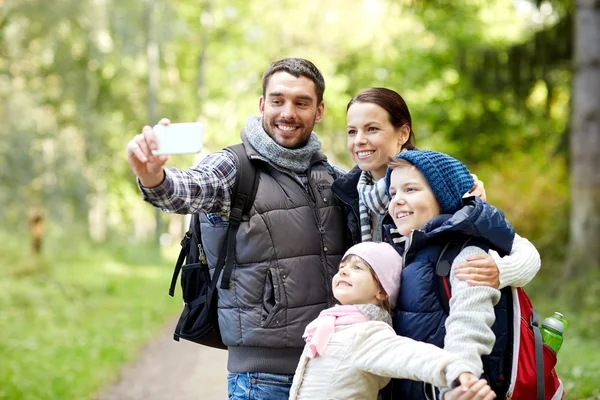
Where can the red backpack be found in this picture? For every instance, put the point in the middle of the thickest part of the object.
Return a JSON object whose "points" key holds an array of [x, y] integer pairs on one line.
{"points": [[530, 375], [533, 375]]}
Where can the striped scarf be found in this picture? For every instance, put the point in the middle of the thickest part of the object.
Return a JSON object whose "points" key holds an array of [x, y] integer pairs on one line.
{"points": [[372, 197]]}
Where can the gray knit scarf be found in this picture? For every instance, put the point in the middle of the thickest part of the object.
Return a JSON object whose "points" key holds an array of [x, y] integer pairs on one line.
{"points": [[372, 197], [375, 313], [296, 160]]}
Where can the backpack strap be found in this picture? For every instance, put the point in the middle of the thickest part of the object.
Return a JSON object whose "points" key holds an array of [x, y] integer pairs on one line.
{"points": [[442, 271], [539, 355], [185, 247], [242, 198]]}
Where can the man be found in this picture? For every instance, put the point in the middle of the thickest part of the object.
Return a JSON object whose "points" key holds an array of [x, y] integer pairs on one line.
{"points": [[288, 250]]}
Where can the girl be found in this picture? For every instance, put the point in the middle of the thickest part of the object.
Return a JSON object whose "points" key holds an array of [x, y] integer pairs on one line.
{"points": [[427, 205], [351, 350]]}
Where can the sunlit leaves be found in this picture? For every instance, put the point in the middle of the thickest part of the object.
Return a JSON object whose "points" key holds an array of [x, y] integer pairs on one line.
{"points": [[76, 75]]}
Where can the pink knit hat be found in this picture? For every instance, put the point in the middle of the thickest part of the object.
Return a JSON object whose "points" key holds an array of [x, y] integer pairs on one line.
{"points": [[385, 261]]}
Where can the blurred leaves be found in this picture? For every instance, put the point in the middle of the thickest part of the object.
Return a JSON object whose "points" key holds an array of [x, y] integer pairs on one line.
{"points": [[74, 88], [488, 81]]}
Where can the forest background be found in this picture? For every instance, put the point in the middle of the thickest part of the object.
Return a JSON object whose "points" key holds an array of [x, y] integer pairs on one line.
{"points": [[509, 87]]}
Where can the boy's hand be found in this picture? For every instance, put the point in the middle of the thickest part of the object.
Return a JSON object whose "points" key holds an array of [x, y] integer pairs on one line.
{"points": [[478, 189], [470, 388], [479, 270], [148, 168]]}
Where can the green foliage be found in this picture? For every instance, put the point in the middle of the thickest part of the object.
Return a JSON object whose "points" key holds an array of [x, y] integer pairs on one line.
{"points": [[75, 82], [488, 81], [69, 319]]}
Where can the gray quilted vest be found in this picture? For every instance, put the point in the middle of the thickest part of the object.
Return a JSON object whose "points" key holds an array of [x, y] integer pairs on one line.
{"points": [[287, 250]]}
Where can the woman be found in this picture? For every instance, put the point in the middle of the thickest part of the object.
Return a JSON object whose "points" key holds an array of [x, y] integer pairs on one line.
{"points": [[379, 126]]}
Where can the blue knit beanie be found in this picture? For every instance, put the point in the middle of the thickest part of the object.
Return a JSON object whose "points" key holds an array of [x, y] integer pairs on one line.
{"points": [[448, 178]]}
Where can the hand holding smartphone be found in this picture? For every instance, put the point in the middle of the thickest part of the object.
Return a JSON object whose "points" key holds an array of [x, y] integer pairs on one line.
{"points": [[180, 138]]}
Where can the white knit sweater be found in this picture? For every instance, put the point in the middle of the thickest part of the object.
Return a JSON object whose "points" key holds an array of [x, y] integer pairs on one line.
{"points": [[468, 327], [520, 266]]}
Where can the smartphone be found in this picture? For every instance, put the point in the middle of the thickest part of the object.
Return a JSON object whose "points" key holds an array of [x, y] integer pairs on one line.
{"points": [[180, 138]]}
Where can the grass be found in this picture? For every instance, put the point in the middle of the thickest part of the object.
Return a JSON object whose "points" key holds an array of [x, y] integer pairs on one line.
{"points": [[71, 318], [579, 368], [578, 364]]}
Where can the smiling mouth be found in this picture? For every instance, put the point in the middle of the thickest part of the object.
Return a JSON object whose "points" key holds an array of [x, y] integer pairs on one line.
{"points": [[401, 215], [343, 283], [364, 154], [286, 129]]}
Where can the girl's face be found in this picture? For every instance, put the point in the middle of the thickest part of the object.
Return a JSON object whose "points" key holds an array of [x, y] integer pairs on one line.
{"points": [[413, 203], [354, 283], [372, 139]]}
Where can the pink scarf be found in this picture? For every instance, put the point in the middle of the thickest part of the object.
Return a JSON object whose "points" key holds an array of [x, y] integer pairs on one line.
{"points": [[319, 332]]}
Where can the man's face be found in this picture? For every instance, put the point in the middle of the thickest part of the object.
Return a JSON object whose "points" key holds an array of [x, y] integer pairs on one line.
{"points": [[289, 109]]}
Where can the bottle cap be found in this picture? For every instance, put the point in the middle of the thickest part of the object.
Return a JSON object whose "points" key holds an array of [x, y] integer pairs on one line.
{"points": [[555, 324], [559, 315]]}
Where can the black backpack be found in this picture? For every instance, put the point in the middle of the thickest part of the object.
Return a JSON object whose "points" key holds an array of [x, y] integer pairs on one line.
{"points": [[199, 319]]}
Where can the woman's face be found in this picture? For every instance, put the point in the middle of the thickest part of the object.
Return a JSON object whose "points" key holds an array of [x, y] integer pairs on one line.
{"points": [[372, 139]]}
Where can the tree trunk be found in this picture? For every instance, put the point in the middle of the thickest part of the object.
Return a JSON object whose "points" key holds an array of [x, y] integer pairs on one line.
{"points": [[201, 89], [36, 230], [152, 54], [98, 211], [585, 140]]}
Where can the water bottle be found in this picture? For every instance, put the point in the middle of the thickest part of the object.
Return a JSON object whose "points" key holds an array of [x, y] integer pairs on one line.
{"points": [[553, 329]]}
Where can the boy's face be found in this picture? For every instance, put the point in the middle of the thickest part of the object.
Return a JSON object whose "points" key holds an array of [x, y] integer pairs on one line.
{"points": [[413, 203], [354, 283]]}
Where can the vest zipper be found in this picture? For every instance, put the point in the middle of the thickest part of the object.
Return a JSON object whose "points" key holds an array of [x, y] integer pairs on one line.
{"points": [[311, 190], [310, 196]]}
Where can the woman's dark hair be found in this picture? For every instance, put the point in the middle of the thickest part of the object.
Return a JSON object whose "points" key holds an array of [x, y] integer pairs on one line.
{"points": [[395, 106]]}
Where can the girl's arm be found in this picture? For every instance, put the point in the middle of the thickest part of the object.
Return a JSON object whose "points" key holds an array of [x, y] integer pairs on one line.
{"points": [[468, 327], [516, 269], [378, 350]]}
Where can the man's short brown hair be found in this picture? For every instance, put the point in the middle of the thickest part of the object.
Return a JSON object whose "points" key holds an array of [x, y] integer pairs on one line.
{"points": [[297, 67]]}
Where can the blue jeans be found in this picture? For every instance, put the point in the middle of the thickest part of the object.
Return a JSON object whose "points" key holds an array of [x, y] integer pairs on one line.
{"points": [[258, 386]]}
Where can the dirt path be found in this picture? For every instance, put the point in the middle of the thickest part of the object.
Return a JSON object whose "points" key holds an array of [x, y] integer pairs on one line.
{"points": [[168, 370]]}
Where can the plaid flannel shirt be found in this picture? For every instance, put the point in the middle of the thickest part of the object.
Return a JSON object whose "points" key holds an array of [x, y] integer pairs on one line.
{"points": [[206, 187]]}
